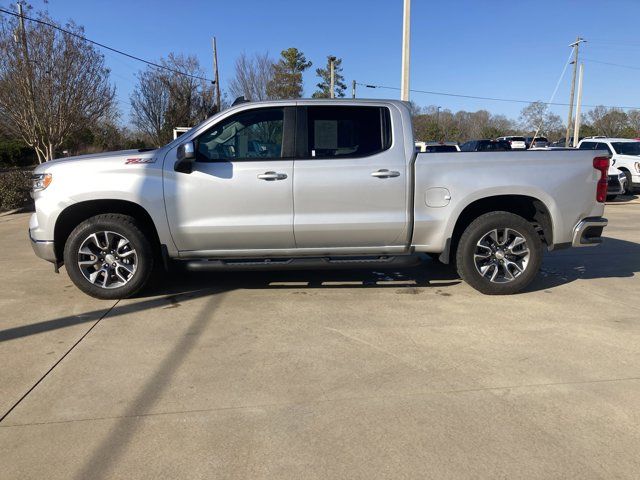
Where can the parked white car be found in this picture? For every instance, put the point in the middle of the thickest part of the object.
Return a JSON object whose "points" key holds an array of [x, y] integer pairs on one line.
{"points": [[517, 143], [625, 156], [617, 183]]}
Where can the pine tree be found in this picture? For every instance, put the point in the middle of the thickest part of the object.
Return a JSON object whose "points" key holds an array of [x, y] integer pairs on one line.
{"points": [[324, 74], [287, 75]]}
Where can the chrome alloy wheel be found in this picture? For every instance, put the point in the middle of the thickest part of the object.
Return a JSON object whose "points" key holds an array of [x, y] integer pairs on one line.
{"points": [[107, 259], [501, 255]]}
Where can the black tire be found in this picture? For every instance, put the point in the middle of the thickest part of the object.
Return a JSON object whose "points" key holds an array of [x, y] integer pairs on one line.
{"points": [[128, 228], [480, 227], [628, 189]]}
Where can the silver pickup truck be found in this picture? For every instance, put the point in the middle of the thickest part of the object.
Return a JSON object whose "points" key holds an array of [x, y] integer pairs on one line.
{"points": [[312, 184]]}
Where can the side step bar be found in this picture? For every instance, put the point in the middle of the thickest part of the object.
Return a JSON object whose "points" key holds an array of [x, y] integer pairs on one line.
{"points": [[306, 263]]}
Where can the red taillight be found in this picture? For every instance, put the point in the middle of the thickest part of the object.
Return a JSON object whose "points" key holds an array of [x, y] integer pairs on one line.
{"points": [[602, 165]]}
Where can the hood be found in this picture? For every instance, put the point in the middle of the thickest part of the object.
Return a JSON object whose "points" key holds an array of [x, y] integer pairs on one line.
{"points": [[119, 156]]}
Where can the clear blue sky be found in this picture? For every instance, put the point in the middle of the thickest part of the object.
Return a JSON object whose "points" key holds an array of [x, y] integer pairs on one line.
{"points": [[498, 48]]}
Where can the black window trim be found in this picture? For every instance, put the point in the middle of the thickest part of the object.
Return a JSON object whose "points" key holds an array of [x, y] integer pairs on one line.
{"points": [[287, 151], [302, 134]]}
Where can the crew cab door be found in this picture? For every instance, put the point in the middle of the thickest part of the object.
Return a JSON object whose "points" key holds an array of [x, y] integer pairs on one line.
{"points": [[239, 194], [350, 178]]}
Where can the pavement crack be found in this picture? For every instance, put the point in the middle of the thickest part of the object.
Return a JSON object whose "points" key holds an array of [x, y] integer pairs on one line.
{"points": [[69, 350]]}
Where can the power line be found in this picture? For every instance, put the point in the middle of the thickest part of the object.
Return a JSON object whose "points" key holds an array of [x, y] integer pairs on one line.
{"points": [[492, 99], [102, 45], [611, 64]]}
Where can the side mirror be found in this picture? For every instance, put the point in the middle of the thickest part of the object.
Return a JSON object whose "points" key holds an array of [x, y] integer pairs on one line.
{"points": [[186, 156]]}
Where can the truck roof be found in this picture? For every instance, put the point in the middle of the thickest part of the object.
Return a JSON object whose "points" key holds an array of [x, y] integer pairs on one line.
{"points": [[608, 139]]}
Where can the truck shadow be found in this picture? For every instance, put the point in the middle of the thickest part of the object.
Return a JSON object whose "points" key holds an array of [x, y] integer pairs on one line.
{"points": [[425, 274], [614, 258]]}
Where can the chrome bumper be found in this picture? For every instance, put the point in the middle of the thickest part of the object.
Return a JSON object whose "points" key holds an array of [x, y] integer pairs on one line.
{"points": [[43, 249], [588, 232]]}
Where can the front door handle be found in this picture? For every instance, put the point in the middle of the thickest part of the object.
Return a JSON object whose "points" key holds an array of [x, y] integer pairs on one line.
{"points": [[384, 173], [270, 176]]}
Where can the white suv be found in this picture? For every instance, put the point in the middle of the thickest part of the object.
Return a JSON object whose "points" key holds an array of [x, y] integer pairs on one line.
{"points": [[625, 156], [517, 143]]}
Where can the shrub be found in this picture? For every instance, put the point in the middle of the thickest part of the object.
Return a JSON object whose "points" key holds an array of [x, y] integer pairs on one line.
{"points": [[14, 189], [15, 153]]}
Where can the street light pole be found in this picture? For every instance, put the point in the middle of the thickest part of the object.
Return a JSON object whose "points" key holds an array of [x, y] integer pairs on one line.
{"points": [[576, 128], [406, 39], [576, 48]]}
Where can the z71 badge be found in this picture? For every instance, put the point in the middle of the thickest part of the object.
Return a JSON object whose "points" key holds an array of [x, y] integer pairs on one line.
{"points": [[137, 161]]}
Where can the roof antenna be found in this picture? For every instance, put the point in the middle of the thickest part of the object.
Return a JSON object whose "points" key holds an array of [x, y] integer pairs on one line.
{"points": [[239, 100]]}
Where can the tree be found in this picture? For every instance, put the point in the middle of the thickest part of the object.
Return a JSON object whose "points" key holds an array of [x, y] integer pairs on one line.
{"points": [[252, 77], [537, 117], [610, 122], [287, 75], [52, 89], [165, 99], [633, 116], [324, 85]]}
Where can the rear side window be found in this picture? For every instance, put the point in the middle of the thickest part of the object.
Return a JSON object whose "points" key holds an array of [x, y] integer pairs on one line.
{"points": [[603, 146], [347, 132], [587, 146]]}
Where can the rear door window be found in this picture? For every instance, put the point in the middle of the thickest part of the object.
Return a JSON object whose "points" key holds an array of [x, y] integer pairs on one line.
{"points": [[347, 132]]}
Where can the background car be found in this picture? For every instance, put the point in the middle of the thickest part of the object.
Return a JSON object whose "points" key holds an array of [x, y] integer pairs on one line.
{"points": [[616, 184], [437, 147], [625, 156], [517, 143], [538, 142], [485, 146]]}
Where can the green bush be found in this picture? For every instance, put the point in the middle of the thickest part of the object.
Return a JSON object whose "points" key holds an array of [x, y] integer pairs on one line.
{"points": [[15, 153], [14, 189]]}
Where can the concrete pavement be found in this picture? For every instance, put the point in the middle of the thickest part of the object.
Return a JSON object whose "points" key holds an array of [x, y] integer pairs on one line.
{"points": [[355, 374]]}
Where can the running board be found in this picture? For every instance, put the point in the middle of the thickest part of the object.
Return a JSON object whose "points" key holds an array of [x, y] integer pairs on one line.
{"points": [[306, 263]]}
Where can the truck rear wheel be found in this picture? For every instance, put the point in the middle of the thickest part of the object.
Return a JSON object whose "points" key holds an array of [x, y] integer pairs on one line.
{"points": [[499, 253], [108, 256]]}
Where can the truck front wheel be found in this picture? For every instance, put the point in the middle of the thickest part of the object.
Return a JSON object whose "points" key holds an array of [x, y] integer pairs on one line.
{"points": [[108, 256], [499, 253]]}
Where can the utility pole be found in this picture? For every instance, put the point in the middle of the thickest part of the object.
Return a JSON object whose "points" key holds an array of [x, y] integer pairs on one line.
{"points": [[406, 49], [215, 73], [332, 83], [576, 48], [576, 128], [353, 89]]}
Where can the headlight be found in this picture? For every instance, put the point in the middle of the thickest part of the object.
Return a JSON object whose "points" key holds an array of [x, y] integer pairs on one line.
{"points": [[40, 181], [638, 167]]}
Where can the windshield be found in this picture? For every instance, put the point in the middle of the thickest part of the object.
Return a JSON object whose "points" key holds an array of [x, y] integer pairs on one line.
{"points": [[626, 148]]}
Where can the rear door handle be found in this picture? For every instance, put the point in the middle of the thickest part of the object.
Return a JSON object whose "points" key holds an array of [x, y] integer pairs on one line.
{"points": [[384, 173], [270, 176]]}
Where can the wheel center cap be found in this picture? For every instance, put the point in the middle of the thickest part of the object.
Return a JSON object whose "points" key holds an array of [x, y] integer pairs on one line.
{"points": [[110, 259], [500, 255]]}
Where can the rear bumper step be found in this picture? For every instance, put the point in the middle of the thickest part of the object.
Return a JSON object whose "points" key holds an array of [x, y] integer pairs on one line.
{"points": [[588, 232]]}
